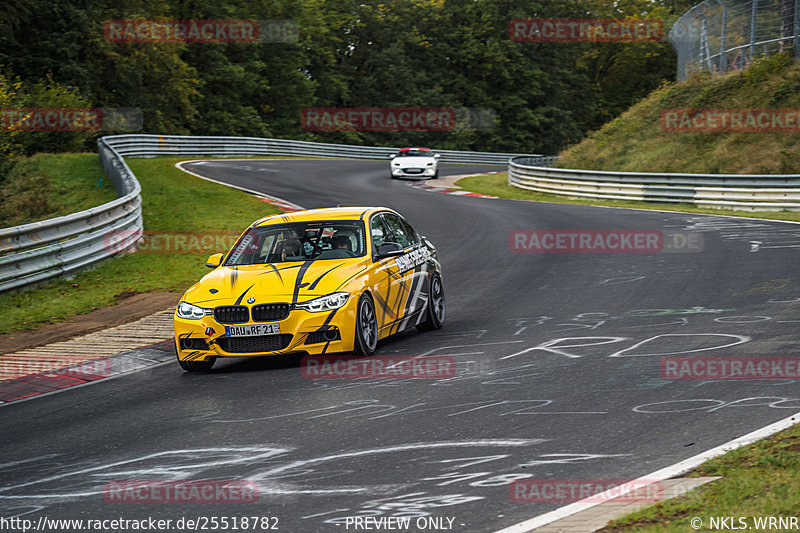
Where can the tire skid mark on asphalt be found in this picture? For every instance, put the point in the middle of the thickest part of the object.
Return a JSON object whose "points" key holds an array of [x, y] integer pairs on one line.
{"points": [[280, 470]]}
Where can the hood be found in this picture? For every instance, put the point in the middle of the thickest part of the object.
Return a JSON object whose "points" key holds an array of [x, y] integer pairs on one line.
{"points": [[417, 162], [279, 282]]}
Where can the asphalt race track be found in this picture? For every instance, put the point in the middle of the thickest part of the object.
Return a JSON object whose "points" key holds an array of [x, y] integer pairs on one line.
{"points": [[559, 375]]}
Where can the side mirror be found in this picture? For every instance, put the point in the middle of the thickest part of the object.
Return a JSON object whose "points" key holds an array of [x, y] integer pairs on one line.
{"points": [[389, 249], [214, 261], [392, 156], [437, 156]]}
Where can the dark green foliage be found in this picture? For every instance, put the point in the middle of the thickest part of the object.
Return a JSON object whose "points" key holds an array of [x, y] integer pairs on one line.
{"points": [[403, 53]]}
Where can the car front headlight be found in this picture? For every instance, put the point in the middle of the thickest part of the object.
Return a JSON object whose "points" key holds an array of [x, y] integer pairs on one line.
{"points": [[325, 303], [192, 312]]}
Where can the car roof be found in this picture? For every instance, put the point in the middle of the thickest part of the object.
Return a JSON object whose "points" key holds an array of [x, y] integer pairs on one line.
{"points": [[407, 149], [328, 213]]}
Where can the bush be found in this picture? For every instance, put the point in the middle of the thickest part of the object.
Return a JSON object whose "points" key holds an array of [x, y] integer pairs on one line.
{"points": [[49, 94]]}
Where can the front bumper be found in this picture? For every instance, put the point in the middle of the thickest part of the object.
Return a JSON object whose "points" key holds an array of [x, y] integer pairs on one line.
{"points": [[301, 332], [426, 173]]}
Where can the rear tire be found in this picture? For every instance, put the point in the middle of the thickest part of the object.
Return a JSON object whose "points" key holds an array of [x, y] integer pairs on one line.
{"points": [[435, 309], [198, 366], [366, 338]]}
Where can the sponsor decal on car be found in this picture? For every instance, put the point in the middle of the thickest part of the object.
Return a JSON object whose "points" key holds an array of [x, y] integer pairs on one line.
{"points": [[241, 248], [412, 259]]}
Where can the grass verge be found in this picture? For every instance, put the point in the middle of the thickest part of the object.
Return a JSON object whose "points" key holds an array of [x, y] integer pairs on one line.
{"points": [[759, 480], [173, 203], [49, 185], [497, 185]]}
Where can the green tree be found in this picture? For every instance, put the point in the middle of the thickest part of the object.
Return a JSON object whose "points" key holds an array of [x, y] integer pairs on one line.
{"points": [[46, 94], [8, 146]]}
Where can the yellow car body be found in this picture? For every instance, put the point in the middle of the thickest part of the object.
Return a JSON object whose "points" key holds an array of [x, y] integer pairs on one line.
{"points": [[317, 282]]}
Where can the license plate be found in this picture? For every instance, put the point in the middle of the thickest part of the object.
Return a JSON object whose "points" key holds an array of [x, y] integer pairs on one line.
{"points": [[252, 330]]}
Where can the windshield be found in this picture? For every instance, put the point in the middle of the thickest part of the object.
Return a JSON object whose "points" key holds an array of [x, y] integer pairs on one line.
{"points": [[415, 153], [299, 241]]}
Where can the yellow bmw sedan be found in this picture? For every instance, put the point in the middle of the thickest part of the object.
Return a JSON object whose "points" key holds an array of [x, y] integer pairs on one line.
{"points": [[316, 282]]}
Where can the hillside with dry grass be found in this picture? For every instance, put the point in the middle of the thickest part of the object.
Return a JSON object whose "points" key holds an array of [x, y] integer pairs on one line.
{"points": [[638, 141]]}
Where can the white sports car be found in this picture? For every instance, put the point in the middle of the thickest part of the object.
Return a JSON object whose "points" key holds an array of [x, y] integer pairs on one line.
{"points": [[418, 163]]}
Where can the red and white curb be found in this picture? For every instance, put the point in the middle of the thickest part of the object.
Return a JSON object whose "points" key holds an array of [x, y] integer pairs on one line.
{"points": [[82, 359], [454, 190], [86, 372], [289, 207]]}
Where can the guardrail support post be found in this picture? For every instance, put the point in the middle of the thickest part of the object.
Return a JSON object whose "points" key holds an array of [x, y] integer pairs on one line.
{"points": [[753, 21]]}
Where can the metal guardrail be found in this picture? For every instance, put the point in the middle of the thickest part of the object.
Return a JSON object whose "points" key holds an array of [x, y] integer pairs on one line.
{"points": [[180, 145], [771, 192], [42, 250]]}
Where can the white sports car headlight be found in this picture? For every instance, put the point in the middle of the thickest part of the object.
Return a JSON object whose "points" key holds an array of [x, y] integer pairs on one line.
{"points": [[192, 312], [325, 303]]}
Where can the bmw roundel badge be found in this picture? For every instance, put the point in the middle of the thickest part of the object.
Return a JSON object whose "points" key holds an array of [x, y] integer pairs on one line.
{"points": [[251, 300]]}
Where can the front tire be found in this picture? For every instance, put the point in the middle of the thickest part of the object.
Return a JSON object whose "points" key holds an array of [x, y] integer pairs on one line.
{"points": [[435, 310], [198, 366], [366, 338]]}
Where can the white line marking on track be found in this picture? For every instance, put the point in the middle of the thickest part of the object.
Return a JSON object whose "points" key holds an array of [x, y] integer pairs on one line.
{"points": [[668, 472], [251, 191]]}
